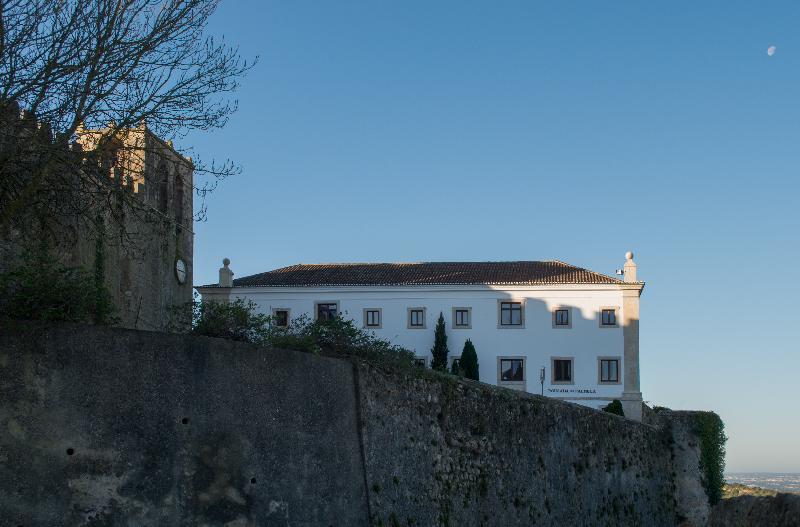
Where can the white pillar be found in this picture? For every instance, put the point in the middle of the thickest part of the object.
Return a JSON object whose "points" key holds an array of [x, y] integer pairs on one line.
{"points": [[225, 274], [631, 390]]}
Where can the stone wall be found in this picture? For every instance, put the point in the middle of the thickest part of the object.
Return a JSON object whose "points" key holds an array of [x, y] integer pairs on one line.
{"points": [[121, 427], [781, 510], [684, 449], [107, 426], [463, 453]]}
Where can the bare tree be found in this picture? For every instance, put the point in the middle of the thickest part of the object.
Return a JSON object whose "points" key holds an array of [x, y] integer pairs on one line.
{"points": [[107, 66]]}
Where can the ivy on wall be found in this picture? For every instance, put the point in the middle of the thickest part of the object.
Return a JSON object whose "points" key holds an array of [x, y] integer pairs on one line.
{"points": [[41, 288], [711, 431]]}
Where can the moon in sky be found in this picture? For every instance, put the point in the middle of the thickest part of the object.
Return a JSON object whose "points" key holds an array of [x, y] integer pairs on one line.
{"points": [[771, 50]]}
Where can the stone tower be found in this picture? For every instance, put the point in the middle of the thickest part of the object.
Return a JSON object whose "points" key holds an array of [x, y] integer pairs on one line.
{"points": [[148, 255]]}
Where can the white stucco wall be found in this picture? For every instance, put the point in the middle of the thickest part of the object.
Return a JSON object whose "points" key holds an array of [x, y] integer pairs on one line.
{"points": [[537, 341]]}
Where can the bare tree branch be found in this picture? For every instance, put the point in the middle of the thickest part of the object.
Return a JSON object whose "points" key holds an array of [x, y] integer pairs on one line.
{"points": [[107, 66]]}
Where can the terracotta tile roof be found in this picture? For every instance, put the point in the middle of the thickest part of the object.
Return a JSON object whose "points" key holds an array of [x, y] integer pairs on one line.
{"points": [[425, 273]]}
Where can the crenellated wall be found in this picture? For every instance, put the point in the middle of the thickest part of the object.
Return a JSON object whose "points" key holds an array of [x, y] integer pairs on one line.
{"points": [[142, 211]]}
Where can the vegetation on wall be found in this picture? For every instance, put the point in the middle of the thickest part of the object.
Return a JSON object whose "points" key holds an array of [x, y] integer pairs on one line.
{"points": [[235, 320], [469, 361], [439, 350], [239, 320], [614, 407], [41, 288], [711, 430]]}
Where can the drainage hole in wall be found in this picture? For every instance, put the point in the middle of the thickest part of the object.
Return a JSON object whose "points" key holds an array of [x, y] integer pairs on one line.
{"points": [[185, 420], [70, 451], [253, 481]]}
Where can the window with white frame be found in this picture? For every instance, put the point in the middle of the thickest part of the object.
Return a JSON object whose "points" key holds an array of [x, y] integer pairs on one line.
{"points": [[372, 317], [327, 310], [512, 369], [462, 317], [608, 317], [280, 317], [562, 318], [416, 317], [608, 370], [511, 313], [562, 371], [421, 362]]}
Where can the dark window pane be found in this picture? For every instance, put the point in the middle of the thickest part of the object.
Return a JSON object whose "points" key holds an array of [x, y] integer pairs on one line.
{"points": [[609, 317], [562, 317], [417, 317], [562, 370], [326, 311], [609, 370], [373, 317], [511, 370], [281, 317], [511, 313]]}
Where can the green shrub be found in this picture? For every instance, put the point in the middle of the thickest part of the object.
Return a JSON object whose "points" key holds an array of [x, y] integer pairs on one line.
{"points": [[469, 361], [614, 407], [236, 320], [439, 350], [711, 430], [341, 336], [456, 369], [40, 288], [239, 320]]}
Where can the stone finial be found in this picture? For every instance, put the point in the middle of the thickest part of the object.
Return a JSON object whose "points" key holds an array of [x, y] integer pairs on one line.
{"points": [[629, 270], [225, 274]]}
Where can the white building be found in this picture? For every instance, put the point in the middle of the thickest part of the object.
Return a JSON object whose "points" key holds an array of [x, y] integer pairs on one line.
{"points": [[576, 328]]}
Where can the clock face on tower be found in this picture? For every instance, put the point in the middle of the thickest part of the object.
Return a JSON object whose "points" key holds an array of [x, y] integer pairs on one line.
{"points": [[180, 271]]}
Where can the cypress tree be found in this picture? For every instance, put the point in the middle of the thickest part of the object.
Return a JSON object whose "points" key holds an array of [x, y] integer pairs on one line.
{"points": [[439, 350], [469, 361]]}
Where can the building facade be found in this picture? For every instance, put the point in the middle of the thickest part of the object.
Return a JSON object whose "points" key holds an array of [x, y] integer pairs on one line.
{"points": [[542, 327]]}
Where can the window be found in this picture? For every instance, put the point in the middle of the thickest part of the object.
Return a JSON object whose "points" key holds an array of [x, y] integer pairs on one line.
{"points": [[562, 318], [421, 362], [327, 310], [511, 313], [608, 370], [562, 370], [177, 202], [372, 318], [462, 317], [512, 369], [416, 318], [163, 187], [608, 317], [280, 317]]}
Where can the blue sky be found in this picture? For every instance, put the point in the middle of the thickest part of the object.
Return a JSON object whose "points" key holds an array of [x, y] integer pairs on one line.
{"points": [[412, 131]]}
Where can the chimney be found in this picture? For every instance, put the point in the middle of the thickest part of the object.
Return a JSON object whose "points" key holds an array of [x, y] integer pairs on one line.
{"points": [[629, 270], [225, 274]]}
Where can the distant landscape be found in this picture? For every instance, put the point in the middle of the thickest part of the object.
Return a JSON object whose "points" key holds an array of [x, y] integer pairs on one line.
{"points": [[781, 482]]}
